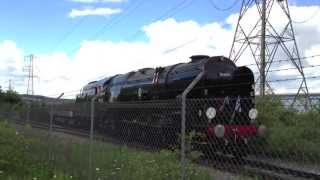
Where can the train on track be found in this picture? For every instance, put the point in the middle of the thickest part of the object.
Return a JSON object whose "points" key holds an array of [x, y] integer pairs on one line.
{"points": [[145, 105]]}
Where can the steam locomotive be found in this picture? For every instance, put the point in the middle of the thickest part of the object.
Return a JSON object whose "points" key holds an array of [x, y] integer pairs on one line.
{"points": [[221, 109]]}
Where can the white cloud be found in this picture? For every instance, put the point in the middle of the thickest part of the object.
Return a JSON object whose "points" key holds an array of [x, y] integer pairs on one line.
{"points": [[93, 12], [98, 1], [11, 63], [97, 59]]}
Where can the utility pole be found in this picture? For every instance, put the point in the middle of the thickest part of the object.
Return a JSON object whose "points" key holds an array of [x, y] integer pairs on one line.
{"points": [[270, 44], [29, 69], [10, 85]]}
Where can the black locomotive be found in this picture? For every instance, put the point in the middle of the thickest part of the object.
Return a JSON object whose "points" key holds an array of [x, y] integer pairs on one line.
{"points": [[222, 109], [222, 78]]}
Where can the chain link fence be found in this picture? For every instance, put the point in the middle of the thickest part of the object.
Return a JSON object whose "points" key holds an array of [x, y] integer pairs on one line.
{"points": [[156, 140]]}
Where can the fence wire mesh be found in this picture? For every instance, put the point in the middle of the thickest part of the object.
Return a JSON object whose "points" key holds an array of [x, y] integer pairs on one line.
{"points": [[142, 140]]}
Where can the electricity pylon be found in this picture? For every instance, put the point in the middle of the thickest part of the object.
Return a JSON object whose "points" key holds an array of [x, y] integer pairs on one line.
{"points": [[29, 69], [259, 33]]}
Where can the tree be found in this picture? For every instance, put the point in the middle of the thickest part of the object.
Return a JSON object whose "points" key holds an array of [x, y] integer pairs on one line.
{"points": [[11, 97], [1, 94]]}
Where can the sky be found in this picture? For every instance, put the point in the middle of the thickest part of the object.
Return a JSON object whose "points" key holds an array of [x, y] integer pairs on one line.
{"points": [[77, 41]]}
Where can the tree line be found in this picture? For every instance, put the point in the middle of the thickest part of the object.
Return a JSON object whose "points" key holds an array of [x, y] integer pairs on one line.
{"points": [[9, 96]]}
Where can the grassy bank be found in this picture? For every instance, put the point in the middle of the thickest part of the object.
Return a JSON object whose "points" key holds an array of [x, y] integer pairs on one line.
{"points": [[294, 134], [24, 155]]}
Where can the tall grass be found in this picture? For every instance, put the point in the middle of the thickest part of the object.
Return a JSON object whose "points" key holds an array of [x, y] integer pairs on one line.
{"points": [[69, 159]]}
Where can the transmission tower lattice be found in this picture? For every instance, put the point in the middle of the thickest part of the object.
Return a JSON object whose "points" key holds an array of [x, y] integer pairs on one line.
{"points": [[29, 69], [259, 35]]}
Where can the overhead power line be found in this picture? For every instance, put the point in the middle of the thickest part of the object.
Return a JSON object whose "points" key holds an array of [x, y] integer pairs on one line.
{"points": [[68, 33], [213, 4], [169, 13], [180, 46], [287, 60], [314, 14], [118, 18], [308, 19], [293, 68], [114, 21]]}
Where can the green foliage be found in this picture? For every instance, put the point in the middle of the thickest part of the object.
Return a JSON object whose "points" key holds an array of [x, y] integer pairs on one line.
{"points": [[120, 162], [294, 134], [20, 157], [272, 112], [13, 152], [69, 159], [10, 97]]}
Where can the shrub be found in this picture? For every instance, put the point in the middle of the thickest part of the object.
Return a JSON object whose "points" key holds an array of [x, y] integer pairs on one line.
{"points": [[14, 151], [292, 133], [11, 97]]}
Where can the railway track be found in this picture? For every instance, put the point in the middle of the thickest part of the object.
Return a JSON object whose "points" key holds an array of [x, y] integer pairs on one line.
{"points": [[280, 172], [231, 164]]}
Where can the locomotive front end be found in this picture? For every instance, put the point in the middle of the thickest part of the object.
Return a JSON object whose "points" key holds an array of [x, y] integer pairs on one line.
{"points": [[234, 138], [227, 117]]}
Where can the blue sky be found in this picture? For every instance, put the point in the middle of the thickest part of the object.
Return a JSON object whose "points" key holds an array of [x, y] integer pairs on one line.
{"points": [[39, 25], [73, 47]]}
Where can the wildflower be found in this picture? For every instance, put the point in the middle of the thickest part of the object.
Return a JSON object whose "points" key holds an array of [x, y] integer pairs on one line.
{"points": [[118, 168], [1, 171], [17, 133], [97, 169], [35, 178], [54, 176], [70, 177]]}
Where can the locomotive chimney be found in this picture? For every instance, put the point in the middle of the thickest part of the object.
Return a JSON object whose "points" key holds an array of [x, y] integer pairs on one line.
{"points": [[196, 58]]}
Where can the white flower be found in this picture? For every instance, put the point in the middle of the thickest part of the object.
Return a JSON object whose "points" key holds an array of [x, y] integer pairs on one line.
{"points": [[54, 176], [97, 169], [1, 172], [17, 133], [70, 177], [35, 178]]}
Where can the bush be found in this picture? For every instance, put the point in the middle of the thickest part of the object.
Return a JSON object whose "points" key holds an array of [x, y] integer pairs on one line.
{"points": [[293, 134], [18, 158], [11, 97], [13, 152]]}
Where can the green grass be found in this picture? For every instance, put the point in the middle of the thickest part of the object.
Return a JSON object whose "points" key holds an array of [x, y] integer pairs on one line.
{"points": [[25, 156]]}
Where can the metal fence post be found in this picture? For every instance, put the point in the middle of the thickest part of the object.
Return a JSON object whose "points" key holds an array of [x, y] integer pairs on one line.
{"points": [[183, 123], [51, 119], [51, 125], [12, 114], [91, 135], [28, 113]]}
